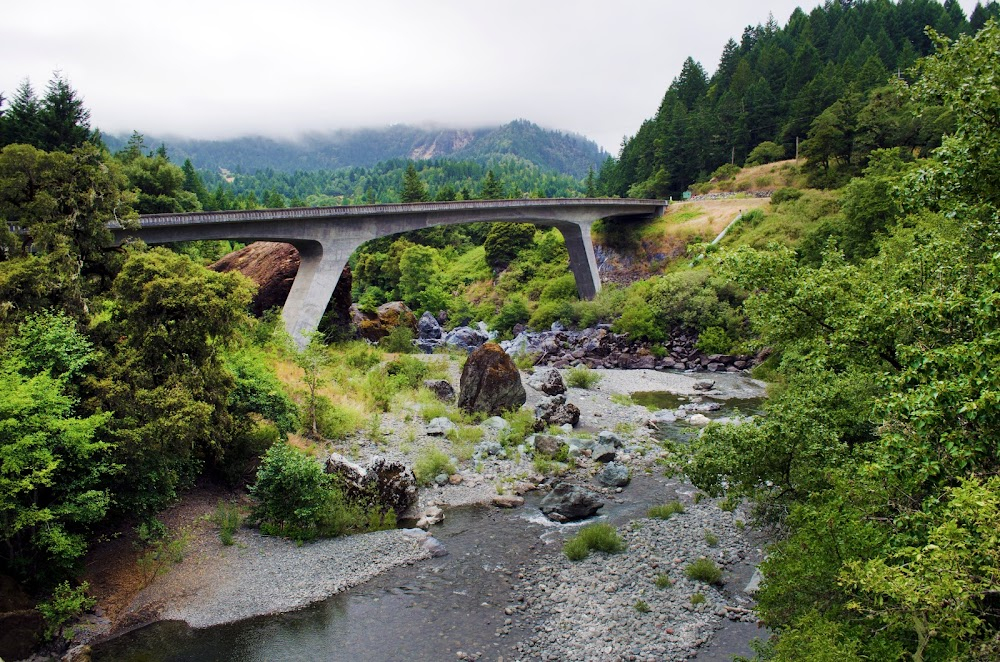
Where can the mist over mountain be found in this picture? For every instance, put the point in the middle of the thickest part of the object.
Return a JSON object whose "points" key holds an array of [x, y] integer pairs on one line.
{"points": [[551, 150]]}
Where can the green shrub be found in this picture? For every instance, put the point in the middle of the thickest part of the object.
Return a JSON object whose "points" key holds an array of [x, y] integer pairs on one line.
{"points": [[399, 340], [663, 581], [294, 497], [560, 289], [522, 423], [431, 462], [665, 511], [549, 312], [725, 171], [697, 599], [704, 570], [582, 377], [228, 518], [599, 537], [505, 240], [714, 340], [65, 604], [641, 606], [408, 371], [711, 539], [785, 194], [766, 152], [514, 311], [334, 421], [245, 450]]}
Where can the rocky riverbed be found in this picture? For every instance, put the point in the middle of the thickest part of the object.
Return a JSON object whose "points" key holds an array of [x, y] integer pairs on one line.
{"points": [[607, 607]]}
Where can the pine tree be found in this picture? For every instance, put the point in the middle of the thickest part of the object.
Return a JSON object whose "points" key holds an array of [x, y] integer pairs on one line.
{"points": [[22, 121], [492, 187], [65, 122], [590, 185], [414, 190]]}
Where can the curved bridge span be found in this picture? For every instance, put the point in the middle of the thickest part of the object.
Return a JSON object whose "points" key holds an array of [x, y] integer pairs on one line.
{"points": [[327, 236]]}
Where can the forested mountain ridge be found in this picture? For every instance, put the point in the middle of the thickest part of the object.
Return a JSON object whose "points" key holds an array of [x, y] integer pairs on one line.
{"points": [[550, 150], [818, 82]]}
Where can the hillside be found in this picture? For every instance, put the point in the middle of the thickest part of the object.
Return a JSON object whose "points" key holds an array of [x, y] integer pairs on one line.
{"points": [[550, 150]]}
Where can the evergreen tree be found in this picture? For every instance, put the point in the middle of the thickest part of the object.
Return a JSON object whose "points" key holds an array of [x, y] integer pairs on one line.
{"points": [[414, 190], [492, 187], [590, 185], [65, 123], [23, 122]]}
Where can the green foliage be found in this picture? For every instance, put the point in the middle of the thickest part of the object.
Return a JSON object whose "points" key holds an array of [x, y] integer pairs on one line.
{"points": [[704, 570], [53, 471], [598, 537], [414, 190], [582, 377], [663, 581], [294, 498], [766, 152], [641, 606], [711, 539], [66, 604], [430, 463], [698, 599], [513, 311], [257, 390], [549, 312], [714, 340], [560, 289], [785, 195], [336, 422], [228, 518], [399, 340], [665, 511], [505, 240]]}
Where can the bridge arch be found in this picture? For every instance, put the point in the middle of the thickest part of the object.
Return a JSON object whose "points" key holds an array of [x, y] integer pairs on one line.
{"points": [[326, 237]]}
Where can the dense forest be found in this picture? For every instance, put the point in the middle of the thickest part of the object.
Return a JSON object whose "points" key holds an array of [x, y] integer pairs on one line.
{"points": [[819, 80], [129, 373], [362, 148]]}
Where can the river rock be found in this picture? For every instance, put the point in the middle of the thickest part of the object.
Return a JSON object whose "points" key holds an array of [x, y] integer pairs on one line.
{"points": [[486, 449], [704, 385], [662, 418], [440, 426], [428, 327], [508, 501], [433, 515], [603, 452], [565, 415], [495, 423], [699, 420], [567, 502], [614, 474], [609, 437], [549, 382], [548, 445], [441, 388], [387, 317], [381, 484], [490, 382], [465, 338]]}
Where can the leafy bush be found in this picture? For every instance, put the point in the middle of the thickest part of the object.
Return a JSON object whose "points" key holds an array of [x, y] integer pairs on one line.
{"points": [[335, 421], [295, 498], [663, 581], [785, 194], [560, 289], [505, 240], [725, 171], [431, 462], [65, 604], [359, 355], [228, 518], [704, 570], [642, 606], [698, 599], [514, 311], [599, 537], [244, 452], [711, 539], [399, 340], [666, 510], [549, 312], [766, 152], [256, 389], [582, 377], [714, 340]]}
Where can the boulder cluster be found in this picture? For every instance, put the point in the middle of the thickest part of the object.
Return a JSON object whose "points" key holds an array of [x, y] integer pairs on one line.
{"points": [[598, 347]]}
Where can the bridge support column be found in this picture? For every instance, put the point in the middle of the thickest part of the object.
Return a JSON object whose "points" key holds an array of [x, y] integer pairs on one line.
{"points": [[320, 267], [582, 261]]}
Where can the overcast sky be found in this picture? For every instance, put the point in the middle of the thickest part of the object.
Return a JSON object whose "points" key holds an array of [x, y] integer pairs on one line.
{"points": [[212, 69]]}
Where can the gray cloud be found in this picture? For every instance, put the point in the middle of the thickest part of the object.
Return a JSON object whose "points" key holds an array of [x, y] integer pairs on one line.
{"points": [[209, 69]]}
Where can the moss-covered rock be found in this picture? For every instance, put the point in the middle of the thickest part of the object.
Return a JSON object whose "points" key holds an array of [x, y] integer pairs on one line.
{"points": [[490, 382]]}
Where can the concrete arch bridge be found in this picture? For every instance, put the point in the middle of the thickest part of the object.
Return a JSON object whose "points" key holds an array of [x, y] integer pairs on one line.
{"points": [[327, 236]]}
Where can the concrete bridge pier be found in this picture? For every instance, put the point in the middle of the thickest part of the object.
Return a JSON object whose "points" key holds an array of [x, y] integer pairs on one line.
{"points": [[320, 266], [582, 261]]}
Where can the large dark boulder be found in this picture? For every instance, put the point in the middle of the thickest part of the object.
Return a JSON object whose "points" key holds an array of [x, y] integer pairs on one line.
{"points": [[566, 503], [428, 327], [465, 338], [490, 382], [273, 266], [381, 484]]}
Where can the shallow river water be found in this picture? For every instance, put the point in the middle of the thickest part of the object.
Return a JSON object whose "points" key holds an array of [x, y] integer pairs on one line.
{"points": [[431, 610]]}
